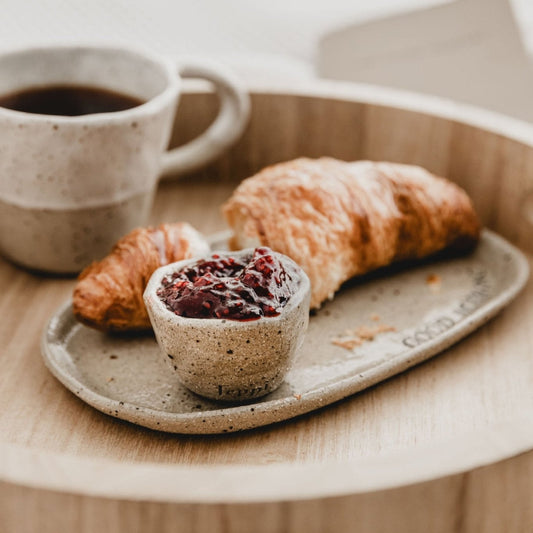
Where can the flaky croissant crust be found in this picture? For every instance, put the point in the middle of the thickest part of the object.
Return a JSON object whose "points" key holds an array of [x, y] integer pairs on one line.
{"points": [[338, 219], [109, 293]]}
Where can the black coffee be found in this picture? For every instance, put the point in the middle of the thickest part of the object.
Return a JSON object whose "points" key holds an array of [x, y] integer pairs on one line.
{"points": [[68, 100]]}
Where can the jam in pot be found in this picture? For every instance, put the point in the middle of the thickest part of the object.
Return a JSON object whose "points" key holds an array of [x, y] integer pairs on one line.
{"points": [[236, 288]]}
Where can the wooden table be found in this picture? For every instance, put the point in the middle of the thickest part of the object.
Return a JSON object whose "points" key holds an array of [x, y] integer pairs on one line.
{"points": [[443, 447]]}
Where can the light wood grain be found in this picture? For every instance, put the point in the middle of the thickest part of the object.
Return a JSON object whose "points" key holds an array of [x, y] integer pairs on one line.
{"points": [[476, 396]]}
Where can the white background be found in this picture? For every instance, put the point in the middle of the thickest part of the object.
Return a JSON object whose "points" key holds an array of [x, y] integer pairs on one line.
{"points": [[268, 37]]}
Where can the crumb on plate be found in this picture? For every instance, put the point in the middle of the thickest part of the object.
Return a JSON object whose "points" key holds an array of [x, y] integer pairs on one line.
{"points": [[434, 281], [355, 337], [349, 343]]}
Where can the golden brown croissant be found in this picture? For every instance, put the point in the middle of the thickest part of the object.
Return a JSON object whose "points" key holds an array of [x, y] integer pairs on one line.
{"points": [[339, 219], [109, 293]]}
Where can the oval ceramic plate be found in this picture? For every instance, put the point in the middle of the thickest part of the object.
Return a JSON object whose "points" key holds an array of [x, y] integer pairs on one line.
{"points": [[375, 327]]}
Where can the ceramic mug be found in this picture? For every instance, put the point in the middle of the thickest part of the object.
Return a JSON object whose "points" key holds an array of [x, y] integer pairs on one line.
{"points": [[71, 186]]}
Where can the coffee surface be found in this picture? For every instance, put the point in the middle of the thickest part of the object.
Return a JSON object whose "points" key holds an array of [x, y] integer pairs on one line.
{"points": [[68, 100]]}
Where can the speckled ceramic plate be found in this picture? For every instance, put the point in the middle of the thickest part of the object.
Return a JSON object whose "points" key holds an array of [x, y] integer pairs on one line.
{"points": [[374, 328]]}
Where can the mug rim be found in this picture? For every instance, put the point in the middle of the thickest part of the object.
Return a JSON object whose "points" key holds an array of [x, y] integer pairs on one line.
{"points": [[154, 104]]}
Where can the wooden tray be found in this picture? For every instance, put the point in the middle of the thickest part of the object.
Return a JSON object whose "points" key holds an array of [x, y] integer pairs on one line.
{"points": [[441, 447]]}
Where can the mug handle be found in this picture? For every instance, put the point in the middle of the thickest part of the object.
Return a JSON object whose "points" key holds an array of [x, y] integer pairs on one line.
{"points": [[222, 133]]}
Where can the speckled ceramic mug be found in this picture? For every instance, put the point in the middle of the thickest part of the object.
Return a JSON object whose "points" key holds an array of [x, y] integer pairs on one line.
{"points": [[70, 186]]}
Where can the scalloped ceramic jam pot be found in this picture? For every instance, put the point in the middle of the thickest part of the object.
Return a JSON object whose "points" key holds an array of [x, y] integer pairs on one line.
{"points": [[230, 325]]}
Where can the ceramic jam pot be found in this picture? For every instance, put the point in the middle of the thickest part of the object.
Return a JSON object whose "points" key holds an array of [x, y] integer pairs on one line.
{"points": [[229, 359]]}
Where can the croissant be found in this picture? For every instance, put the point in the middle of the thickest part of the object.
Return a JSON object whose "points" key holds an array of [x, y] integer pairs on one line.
{"points": [[109, 293], [339, 219]]}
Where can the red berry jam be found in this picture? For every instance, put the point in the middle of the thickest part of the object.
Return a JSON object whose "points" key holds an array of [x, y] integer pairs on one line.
{"points": [[236, 288]]}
